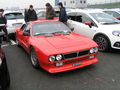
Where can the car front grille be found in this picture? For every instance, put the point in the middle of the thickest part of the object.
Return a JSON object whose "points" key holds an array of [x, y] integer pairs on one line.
{"points": [[75, 54], [76, 60]]}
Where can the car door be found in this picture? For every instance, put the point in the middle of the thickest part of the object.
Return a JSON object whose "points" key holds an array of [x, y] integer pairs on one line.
{"points": [[26, 38], [19, 34], [80, 27]]}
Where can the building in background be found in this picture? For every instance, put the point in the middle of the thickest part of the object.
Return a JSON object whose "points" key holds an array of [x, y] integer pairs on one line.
{"points": [[73, 3]]}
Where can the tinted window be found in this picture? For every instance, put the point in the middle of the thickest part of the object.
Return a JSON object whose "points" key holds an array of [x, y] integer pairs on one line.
{"points": [[41, 14], [72, 16], [11, 16], [48, 28], [81, 17]]}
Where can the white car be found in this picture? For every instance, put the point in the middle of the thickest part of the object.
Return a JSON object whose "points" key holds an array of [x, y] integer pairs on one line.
{"points": [[14, 19], [97, 25]]}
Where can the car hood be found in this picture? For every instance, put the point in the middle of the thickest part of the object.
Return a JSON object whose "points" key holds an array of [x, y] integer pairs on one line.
{"points": [[110, 27], [65, 43]]}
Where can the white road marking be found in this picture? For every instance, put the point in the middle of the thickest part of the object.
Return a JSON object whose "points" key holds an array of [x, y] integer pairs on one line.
{"points": [[13, 42]]}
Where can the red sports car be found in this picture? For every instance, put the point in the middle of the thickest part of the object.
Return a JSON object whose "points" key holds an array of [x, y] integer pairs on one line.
{"points": [[53, 46]]}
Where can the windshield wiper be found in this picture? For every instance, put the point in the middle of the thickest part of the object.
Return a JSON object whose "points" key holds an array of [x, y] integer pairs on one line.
{"points": [[40, 34], [59, 32]]}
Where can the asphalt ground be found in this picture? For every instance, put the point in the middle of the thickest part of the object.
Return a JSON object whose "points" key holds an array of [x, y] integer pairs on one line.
{"points": [[104, 75]]}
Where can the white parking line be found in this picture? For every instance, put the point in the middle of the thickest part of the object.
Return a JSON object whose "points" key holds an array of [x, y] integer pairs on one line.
{"points": [[13, 42]]}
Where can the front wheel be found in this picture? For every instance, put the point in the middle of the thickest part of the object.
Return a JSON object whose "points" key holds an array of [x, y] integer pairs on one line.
{"points": [[34, 59], [103, 43]]}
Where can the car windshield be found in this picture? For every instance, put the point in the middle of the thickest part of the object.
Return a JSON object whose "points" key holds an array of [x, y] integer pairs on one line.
{"points": [[113, 13], [49, 28], [11, 16], [104, 18]]}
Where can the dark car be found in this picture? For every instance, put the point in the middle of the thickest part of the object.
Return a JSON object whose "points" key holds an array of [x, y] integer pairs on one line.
{"points": [[4, 73]]}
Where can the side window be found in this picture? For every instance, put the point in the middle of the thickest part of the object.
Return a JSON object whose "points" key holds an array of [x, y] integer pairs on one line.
{"points": [[81, 17], [27, 28], [72, 16], [41, 14], [23, 27]]}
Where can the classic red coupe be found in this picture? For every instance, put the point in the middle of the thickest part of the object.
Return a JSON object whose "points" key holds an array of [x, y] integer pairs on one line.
{"points": [[53, 47]]}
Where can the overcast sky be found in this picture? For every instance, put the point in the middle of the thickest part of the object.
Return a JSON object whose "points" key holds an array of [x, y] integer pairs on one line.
{"points": [[39, 3]]}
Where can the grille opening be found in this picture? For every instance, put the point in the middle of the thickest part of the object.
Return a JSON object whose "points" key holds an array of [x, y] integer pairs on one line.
{"points": [[71, 55], [83, 53]]}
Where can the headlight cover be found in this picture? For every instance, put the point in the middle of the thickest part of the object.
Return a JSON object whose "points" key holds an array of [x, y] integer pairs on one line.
{"points": [[58, 57], [93, 50], [55, 58], [116, 33], [52, 58]]}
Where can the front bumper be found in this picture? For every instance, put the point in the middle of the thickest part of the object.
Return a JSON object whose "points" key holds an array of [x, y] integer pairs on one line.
{"points": [[115, 42], [70, 66]]}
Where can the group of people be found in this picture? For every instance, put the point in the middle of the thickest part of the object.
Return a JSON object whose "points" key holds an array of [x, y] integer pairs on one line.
{"points": [[30, 14]]}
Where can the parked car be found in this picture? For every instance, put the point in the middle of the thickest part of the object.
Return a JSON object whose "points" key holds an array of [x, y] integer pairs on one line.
{"points": [[53, 46], [4, 73], [42, 15], [113, 13], [14, 19], [97, 25]]}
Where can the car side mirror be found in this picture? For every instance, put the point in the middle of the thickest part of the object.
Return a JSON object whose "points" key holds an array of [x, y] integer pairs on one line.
{"points": [[88, 23], [72, 29], [26, 34]]}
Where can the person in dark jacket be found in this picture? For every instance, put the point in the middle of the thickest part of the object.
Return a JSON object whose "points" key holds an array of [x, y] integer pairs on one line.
{"points": [[62, 14], [3, 24], [31, 14], [50, 13]]}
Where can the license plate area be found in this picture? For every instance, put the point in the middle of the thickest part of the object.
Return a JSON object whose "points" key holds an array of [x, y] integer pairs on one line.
{"points": [[76, 64]]}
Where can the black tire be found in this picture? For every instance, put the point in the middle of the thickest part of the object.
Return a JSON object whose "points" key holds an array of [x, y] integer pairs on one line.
{"points": [[33, 58], [103, 43]]}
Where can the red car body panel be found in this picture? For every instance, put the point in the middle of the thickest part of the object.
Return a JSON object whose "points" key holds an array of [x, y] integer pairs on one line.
{"points": [[117, 18], [43, 18], [46, 46]]}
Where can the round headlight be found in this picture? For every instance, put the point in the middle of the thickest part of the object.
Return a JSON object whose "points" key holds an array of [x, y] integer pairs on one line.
{"points": [[0, 61], [59, 57], [52, 58], [96, 49], [92, 51]]}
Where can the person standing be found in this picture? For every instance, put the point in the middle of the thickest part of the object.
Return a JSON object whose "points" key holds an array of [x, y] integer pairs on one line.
{"points": [[50, 13], [62, 14], [3, 24], [31, 14]]}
